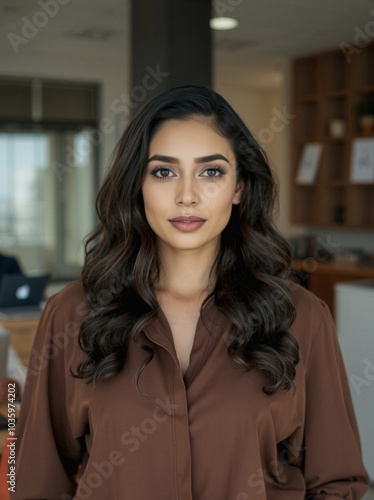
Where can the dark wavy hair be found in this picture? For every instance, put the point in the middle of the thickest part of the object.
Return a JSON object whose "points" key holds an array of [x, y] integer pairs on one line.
{"points": [[252, 267]]}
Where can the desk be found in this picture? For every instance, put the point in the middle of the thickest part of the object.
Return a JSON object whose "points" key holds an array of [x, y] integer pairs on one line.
{"points": [[22, 333], [324, 275]]}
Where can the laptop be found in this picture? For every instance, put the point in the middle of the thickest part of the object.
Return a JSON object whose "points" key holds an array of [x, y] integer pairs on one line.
{"points": [[4, 345], [20, 296]]}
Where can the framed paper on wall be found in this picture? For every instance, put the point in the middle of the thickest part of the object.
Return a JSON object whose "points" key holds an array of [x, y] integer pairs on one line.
{"points": [[308, 166], [362, 163]]}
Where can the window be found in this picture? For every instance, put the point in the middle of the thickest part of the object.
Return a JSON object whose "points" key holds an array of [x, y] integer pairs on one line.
{"points": [[48, 172], [47, 192]]}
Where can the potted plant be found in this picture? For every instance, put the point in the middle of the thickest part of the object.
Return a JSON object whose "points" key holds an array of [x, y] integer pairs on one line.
{"points": [[365, 111]]}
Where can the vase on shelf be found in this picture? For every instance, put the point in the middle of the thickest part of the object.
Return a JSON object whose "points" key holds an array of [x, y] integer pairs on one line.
{"points": [[365, 112], [366, 123], [337, 128]]}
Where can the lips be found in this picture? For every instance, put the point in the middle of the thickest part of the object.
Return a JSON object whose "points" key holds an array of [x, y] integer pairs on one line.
{"points": [[187, 218], [187, 223]]}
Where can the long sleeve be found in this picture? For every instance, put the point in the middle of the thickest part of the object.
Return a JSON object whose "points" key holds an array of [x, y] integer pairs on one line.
{"points": [[333, 464], [46, 452]]}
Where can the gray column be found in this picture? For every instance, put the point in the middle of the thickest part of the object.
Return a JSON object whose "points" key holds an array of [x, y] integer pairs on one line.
{"points": [[171, 46]]}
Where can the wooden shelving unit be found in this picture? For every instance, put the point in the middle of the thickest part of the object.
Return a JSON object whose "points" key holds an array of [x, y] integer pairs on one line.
{"points": [[322, 280], [326, 87]]}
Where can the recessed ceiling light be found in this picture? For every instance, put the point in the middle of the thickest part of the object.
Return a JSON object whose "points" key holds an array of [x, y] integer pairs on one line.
{"points": [[223, 23]]}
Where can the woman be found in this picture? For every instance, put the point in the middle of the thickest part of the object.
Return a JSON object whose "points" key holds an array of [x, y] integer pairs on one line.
{"points": [[185, 364]]}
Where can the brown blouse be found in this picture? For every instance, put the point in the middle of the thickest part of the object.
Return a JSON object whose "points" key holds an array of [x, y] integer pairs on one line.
{"points": [[210, 435]]}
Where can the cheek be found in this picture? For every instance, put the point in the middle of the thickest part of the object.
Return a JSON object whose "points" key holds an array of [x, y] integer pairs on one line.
{"points": [[219, 195], [149, 195], [154, 201]]}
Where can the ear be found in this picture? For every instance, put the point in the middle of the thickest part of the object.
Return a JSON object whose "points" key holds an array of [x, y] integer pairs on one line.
{"points": [[238, 192]]}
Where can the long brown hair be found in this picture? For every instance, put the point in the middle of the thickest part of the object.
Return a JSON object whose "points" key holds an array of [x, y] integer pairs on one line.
{"points": [[252, 267]]}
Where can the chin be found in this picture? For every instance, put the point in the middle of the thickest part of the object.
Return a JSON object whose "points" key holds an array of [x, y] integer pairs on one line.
{"points": [[188, 246], [192, 244]]}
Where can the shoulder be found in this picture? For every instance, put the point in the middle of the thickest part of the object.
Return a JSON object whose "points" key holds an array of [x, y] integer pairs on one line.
{"points": [[58, 329], [70, 293], [69, 304], [306, 303], [311, 315]]}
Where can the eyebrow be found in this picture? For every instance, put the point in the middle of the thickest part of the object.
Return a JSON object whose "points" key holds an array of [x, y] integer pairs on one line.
{"points": [[202, 159]]}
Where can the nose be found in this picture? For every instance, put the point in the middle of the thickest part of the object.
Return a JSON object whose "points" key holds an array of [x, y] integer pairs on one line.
{"points": [[187, 193]]}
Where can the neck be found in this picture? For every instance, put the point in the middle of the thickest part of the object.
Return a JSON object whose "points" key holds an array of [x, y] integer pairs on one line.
{"points": [[185, 274]]}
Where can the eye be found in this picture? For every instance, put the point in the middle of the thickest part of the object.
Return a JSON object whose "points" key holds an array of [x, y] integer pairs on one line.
{"points": [[162, 173], [213, 172]]}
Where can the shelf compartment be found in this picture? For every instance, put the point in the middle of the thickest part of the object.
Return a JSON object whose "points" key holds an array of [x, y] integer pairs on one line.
{"points": [[362, 205], [333, 183], [334, 162], [307, 120], [304, 203], [297, 165], [363, 73], [333, 206], [337, 93], [335, 72], [343, 138], [363, 104], [367, 89], [335, 108], [306, 77]]}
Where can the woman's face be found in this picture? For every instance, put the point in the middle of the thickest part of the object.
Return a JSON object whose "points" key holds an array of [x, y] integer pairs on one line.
{"points": [[190, 184]]}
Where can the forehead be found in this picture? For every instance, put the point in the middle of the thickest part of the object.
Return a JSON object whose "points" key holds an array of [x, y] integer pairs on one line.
{"points": [[197, 133]]}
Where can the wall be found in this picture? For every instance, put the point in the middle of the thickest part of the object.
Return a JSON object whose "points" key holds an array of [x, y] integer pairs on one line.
{"points": [[265, 109]]}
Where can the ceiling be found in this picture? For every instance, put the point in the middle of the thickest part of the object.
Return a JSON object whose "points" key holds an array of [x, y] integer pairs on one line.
{"points": [[268, 31]]}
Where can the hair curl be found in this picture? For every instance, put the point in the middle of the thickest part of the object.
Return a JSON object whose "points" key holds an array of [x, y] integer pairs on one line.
{"points": [[252, 266]]}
